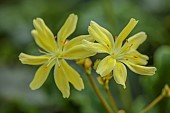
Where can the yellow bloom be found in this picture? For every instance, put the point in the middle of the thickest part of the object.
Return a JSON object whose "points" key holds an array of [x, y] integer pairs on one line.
{"points": [[119, 55], [55, 53]]}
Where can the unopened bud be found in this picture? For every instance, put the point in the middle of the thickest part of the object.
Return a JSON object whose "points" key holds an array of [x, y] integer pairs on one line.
{"points": [[100, 80], [104, 80], [87, 63], [166, 91], [122, 111], [80, 61], [96, 63]]}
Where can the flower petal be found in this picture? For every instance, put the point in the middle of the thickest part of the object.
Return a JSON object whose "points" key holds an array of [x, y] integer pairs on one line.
{"points": [[76, 41], [101, 34], [72, 76], [95, 47], [33, 60], [134, 41], [43, 36], [142, 70], [120, 73], [41, 76], [67, 29], [137, 58], [125, 32], [106, 66], [61, 80], [77, 52]]}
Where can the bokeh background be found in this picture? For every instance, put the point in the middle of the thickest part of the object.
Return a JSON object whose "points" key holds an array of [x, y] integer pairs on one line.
{"points": [[16, 24]]}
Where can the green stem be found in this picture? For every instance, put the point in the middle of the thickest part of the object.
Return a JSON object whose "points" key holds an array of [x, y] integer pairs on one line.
{"points": [[153, 103], [112, 100], [105, 104]]}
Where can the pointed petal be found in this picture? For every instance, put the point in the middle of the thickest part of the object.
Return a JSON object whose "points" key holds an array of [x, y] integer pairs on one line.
{"points": [[77, 40], [43, 36], [33, 60], [106, 66], [41, 76], [120, 73], [95, 47], [77, 52], [101, 34], [142, 70], [134, 42], [72, 76], [125, 32], [67, 29], [137, 58], [61, 80]]}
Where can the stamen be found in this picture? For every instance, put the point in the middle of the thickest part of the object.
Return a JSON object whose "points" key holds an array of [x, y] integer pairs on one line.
{"points": [[130, 45], [127, 41], [59, 65], [49, 61], [55, 37], [115, 38], [135, 56], [40, 51], [65, 42]]}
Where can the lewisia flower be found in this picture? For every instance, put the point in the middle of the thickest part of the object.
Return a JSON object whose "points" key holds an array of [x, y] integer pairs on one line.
{"points": [[55, 53], [119, 55]]}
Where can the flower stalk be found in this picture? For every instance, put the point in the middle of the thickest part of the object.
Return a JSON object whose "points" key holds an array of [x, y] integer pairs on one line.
{"points": [[112, 100], [165, 93], [86, 63], [98, 93], [104, 81]]}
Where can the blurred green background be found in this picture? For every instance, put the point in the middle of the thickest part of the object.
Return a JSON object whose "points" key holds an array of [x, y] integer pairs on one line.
{"points": [[16, 24]]}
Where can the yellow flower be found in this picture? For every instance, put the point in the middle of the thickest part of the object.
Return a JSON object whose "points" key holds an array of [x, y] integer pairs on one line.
{"points": [[119, 55], [55, 53]]}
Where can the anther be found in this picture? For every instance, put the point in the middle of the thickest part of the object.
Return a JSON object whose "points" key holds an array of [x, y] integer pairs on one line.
{"points": [[130, 45], [127, 41], [115, 38], [135, 56], [40, 51], [65, 42], [55, 37]]}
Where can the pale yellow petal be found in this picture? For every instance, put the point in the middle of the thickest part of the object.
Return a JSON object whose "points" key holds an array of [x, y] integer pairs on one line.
{"points": [[41, 76], [43, 36], [67, 29], [106, 66], [142, 70], [136, 57], [134, 42], [101, 34], [72, 76], [76, 41], [33, 60], [61, 80], [136, 60], [120, 73], [95, 47], [125, 32], [77, 52]]}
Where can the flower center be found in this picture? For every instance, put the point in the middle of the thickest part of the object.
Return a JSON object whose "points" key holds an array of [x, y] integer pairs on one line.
{"points": [[115, 55]]}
